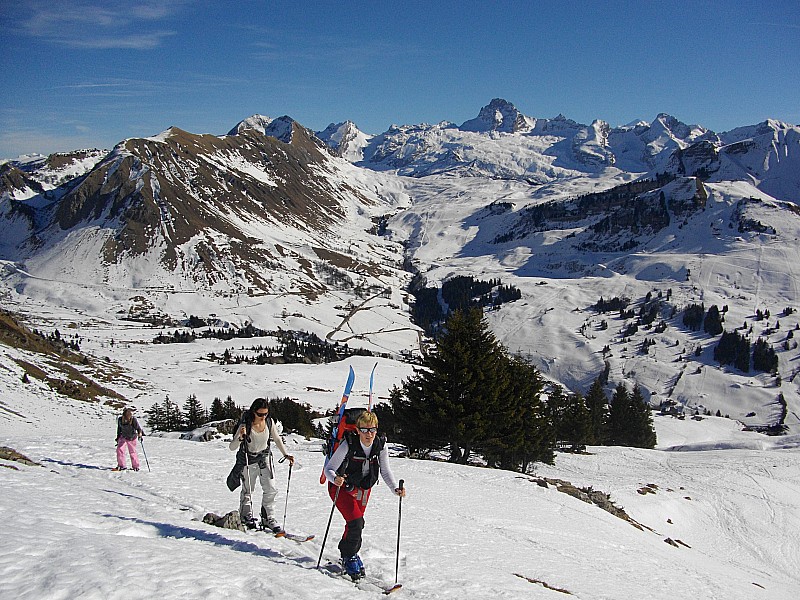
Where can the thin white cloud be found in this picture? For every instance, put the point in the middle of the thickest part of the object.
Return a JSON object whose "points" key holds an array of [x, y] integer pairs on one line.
{"points": [[92, 24], [142, 41], [297, 47]]}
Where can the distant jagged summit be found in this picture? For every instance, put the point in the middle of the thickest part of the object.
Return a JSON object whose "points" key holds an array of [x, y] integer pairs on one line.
{"points": [[257, 122], [281, 128], [499, 115], [346, 140]]}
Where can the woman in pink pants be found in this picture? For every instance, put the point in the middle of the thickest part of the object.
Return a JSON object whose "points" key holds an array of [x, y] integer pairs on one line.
{"points": [[128, 433]]}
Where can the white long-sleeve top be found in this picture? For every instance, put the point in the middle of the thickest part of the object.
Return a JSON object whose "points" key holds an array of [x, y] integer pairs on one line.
{"points": [[259, 440], [335, 461]]}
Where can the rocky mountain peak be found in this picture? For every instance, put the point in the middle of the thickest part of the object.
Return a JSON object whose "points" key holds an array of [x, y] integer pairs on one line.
{"points": [[345, 140], [499, 115], [257, 122]]}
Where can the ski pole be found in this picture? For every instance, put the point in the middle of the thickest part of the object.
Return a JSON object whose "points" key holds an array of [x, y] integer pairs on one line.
{"points": [[328, 528], [399, 519], [288, 481], [141, 439], [247, 476]]}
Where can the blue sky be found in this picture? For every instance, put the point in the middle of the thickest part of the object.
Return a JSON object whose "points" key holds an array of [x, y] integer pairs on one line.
{"points": [[91, 73]]}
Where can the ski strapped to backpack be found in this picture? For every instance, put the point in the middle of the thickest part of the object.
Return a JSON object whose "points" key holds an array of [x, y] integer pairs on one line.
{"points": [[336, 431], [371, 381]]}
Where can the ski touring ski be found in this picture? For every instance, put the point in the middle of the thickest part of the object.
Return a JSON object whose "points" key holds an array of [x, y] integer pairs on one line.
{"points": [[295, 537], [371, 382], [348, 387], [365, 582]]}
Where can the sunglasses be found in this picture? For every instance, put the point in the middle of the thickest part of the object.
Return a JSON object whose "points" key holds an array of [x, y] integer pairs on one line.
{"points": [[368, 429], [262, 414]]}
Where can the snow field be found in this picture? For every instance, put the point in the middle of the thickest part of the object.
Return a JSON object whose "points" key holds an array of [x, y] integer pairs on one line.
{"points": [[74, 529]]}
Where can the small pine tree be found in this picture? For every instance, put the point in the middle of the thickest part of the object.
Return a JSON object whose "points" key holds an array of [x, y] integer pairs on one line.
{"points": [[154, 416], [195, 413], [712, 324], [217, 412], [173, 417], [230, 410]]}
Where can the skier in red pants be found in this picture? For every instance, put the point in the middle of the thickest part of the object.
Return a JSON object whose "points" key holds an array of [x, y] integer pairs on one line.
{"points": [[352, 470]]}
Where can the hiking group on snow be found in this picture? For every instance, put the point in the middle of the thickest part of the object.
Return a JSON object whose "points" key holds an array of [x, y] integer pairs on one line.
{"points": [[356, 456]]}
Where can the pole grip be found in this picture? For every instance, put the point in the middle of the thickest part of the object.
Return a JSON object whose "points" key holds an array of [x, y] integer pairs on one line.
{"points": [[402, 482]]}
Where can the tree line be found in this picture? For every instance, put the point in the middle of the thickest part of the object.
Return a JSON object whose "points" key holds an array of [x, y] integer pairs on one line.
{"points": [[167, 415], [291, 347], [433, 305]]}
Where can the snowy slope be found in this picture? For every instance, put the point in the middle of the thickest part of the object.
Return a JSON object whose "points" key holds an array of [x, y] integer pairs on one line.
{"points": [[73, 528]]}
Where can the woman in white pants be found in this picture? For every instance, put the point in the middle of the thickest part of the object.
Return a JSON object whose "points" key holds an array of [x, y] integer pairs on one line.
{"points": [[256, 463]]}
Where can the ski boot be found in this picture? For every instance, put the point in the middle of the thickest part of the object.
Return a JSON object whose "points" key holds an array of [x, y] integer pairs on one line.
{"points": [[354, 567], [270, 524]]}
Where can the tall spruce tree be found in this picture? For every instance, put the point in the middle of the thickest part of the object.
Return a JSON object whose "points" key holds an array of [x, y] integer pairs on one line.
{"points": [[619, 416], [417, 430], [557, 410], [454, 398], [712, 324], [643, 433], [523, 433], [173, 418], [576, 425], [630, 422]]}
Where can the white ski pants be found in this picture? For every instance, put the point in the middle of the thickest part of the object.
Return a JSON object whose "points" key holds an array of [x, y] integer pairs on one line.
{"points": [[250, 474]]}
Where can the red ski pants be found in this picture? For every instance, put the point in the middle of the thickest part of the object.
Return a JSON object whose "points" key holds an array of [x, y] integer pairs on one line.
{"points": [[351, 504]]}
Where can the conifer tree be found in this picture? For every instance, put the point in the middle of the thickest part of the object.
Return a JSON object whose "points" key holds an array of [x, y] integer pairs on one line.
{"points": [[194, 413], [155, 417], [576, 425], [764, 357], [642, 434], [712, 324], [597, 405], [166, 416], [293, 416], [539, 438], [230, 410], [455, 394], [522, 433], [630, 422], [557, 410], [217, 412], [619, 416], [415, 427]]}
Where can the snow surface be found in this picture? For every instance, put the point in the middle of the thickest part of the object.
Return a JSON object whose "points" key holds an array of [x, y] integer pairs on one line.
{"points": [[72, 528]]}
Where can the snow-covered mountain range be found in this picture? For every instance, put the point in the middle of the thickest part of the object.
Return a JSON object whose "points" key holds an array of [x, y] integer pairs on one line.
{"points": [[330, 233], [276, 225]]}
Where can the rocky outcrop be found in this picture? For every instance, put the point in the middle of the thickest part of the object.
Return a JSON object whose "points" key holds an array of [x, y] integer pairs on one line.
{"points": [[590, 496]]}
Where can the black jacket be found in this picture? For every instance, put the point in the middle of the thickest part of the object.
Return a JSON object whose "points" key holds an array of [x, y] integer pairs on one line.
{"points": [[353, 464]]}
